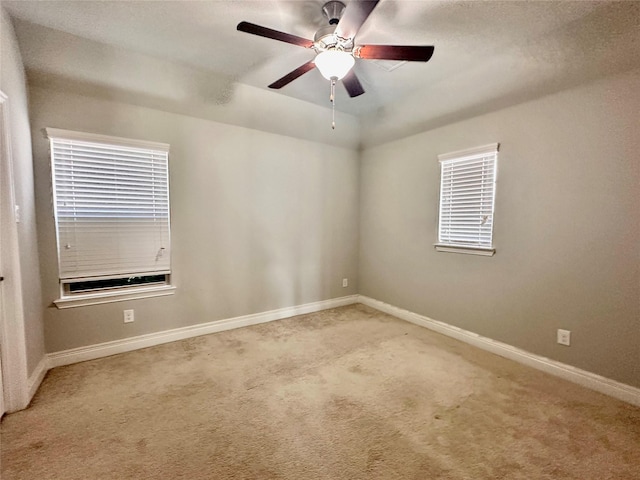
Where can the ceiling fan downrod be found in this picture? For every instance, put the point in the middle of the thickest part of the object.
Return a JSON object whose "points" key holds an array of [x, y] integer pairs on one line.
{"points": [[333, 10]]}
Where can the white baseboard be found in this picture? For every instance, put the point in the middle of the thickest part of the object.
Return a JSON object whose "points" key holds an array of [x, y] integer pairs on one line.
{"points": [[587, 379], [36, 377], [106, 349]]}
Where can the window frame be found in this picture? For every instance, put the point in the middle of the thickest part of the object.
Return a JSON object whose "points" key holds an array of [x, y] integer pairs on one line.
{"points": [[462, 155], [108, 294]]}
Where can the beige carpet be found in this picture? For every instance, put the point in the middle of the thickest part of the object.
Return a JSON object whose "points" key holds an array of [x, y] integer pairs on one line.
{"points": [[349, 393]]}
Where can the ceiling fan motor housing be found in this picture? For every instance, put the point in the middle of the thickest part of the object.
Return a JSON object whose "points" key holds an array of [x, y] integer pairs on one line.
{"points": [[325, 38]]}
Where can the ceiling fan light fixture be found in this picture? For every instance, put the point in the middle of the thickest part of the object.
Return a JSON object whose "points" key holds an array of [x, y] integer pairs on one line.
{"points": [[334, 64]]}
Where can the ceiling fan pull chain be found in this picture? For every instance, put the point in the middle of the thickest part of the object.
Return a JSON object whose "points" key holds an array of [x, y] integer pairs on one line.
{"points": [[332, 97]]}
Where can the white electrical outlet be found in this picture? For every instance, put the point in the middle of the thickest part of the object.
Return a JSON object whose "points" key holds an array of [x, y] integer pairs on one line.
{"points": [[345, 282], [128, 316], [564, 337]]}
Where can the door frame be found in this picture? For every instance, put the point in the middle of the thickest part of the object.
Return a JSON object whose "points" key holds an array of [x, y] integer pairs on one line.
{"points": [[12, 335]]}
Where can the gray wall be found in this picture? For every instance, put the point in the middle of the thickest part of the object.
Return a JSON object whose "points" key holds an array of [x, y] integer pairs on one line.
{"points": [[567, 224], [12, 83], [259, 221]]}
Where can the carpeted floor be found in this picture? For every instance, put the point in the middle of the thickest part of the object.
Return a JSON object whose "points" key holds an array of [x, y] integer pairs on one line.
{"points": [[349, 393]]}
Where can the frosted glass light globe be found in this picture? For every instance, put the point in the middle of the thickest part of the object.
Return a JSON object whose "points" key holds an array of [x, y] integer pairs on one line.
{"points": [[334, 63]]}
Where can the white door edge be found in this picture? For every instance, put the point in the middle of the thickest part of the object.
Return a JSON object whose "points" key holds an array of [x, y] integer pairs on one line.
{"points": [[12, 336]]}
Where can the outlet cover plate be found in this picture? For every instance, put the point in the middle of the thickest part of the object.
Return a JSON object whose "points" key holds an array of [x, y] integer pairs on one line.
{"points": [[564, 337], [128, 316]]}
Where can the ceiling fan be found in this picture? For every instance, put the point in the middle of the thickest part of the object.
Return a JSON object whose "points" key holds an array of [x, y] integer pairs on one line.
{"points": [[335, 46]]}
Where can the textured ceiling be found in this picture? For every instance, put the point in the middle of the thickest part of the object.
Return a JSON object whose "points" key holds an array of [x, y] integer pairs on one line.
{"points": [[485, 52]]}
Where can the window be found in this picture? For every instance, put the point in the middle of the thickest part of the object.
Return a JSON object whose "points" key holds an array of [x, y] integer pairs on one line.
{"points": [[467, 197], [111, 205]]}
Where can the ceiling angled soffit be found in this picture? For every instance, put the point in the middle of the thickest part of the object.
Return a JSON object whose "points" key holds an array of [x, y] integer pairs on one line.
{"points": [[488, 54]]}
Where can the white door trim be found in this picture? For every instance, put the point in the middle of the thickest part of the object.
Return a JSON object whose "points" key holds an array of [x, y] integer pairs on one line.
{"points": [[12, 335]]}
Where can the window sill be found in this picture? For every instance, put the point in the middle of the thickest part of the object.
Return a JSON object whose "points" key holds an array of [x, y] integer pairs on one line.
{"points": [[98, 298], [487, 252]]}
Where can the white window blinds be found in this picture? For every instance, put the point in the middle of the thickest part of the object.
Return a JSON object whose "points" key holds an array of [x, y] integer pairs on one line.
{"points": [[467, 194], [111, 202]]}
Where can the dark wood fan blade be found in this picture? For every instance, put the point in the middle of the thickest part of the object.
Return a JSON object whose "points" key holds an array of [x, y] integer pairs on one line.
{"points": [[275, 34], [291, 76], [354, 16], [352, 84], [394, 52]]}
